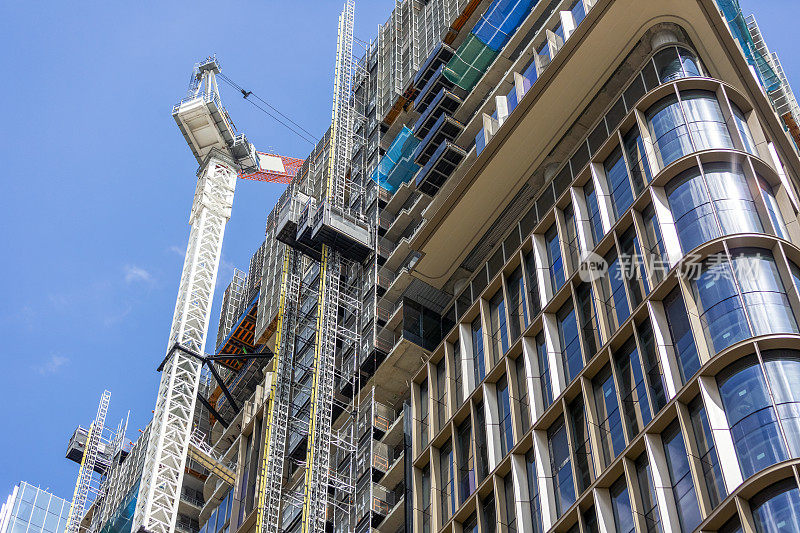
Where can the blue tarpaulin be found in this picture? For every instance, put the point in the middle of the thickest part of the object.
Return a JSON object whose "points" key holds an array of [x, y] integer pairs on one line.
{"points": [[395, 165]]}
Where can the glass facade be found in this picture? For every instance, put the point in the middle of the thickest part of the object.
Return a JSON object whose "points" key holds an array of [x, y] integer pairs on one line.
{"points": [[610, 364], [30, 509]]}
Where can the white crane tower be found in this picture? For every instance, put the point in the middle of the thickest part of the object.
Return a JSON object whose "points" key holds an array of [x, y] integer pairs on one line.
{"points": [[222, 155]]}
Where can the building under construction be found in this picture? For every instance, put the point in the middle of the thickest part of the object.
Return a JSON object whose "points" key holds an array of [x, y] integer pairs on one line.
{"points": [[420, 343]]}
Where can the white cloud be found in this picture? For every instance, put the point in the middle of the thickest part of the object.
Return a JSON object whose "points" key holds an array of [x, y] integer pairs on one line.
{"points": [[134, 273], [178, 250], [52, 365]]}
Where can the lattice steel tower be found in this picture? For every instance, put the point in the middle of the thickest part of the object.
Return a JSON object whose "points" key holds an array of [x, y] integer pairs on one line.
{"points": [[222, 154]]}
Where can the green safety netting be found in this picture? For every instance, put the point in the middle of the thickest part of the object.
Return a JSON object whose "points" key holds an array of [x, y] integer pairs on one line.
{"points": [[396, 167], [500, 21], [121, 520], [738, 26], [472, 59]]}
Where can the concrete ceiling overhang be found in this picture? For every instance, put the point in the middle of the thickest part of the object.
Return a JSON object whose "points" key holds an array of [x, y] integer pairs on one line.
{"points": [[459, 217]]}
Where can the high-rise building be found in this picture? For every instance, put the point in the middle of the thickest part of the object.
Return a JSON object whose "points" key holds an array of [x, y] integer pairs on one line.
{"points": [[541, 274], [31, 509]]}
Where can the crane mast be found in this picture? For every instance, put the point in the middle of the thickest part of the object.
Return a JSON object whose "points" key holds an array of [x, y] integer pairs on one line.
{"points": [[222, 154]]}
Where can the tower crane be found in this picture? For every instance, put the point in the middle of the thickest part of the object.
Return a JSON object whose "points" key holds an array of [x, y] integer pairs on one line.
{"points": [[223, 155]]}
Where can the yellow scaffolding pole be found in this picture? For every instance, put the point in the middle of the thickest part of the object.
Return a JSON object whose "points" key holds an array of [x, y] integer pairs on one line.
{"points": [[323, 267], [275, 366]]}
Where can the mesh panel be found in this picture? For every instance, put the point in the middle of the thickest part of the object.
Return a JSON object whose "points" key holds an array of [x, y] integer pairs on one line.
{"points": [[396, 167], [470, 62], [500, 21]]}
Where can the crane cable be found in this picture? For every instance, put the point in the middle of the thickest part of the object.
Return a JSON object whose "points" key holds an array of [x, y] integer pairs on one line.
{"points": [[303, 133]]}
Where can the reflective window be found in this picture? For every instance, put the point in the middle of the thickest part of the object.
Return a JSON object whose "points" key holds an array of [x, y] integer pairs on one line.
{"points": [[633, 389], [489, 515], [511, 514], [504, 416], [555, 265], [637, 160], [447, 481], [573, 250], [656, 253], [595, 223], [621, 506], [561, 467], [673, 63], [680, 128], [763, 292], [441, 389], [517, 304], [611, 431], [479, 362], [647, 492], [777, 509], [480, 442], [744, 130], [705, 120], [652, 366], [459, 375], [695, 201], [721, 313], [423, 412], [426, 498], [583, 447], [570, 344], [682, 487], [708, 453], [578, 12], [783, 372], [632, 268], [774, 211], [470, 525], [466, 461], [522, 393], [533, 284], [618, 182], [533, 491], [588, 319], [616, 301], [497, 318], [751, 416], [544, 370], [682, 339]]}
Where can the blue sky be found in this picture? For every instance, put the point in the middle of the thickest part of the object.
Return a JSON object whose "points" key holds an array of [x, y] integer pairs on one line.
{"points": [[99, 183]]}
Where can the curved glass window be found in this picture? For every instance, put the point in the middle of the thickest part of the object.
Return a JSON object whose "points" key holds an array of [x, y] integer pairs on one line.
{"points": [[695, 200], [772, 208], [721, 312], [783, 373], [744, 130], [706, 121], [777, 509], [763, 292], [693, 124], [673, 63], [749, 284], [751, 417]]}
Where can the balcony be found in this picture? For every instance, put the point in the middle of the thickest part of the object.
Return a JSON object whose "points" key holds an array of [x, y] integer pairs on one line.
{"points": [[444, 102], [439, 168]]}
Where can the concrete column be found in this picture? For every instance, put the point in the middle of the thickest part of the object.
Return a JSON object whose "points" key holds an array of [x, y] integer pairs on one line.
{"points": [[558, 380], [666, 224], [667, 508], [567, 23], [533, 379], [542, 268], [492, 425], [603, 193], [522, 496], [467, 360], [604, 509], [665, 350]]}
